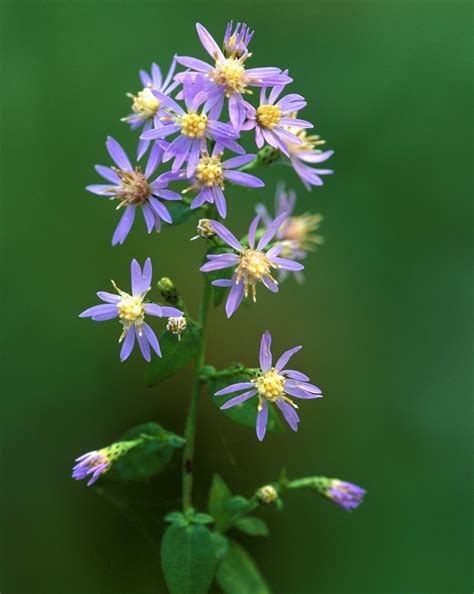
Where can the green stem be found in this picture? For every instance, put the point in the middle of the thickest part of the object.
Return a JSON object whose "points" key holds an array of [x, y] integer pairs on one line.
{"points": [[190, 430]]}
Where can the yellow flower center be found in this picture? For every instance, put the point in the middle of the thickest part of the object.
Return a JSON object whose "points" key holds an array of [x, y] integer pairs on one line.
{"points": [[269, 116], [209, 172], [133, 189], [300, 230], [193, 125], [230, 73], [270, 385], [252, 267], [145, 104], [130, 309]]}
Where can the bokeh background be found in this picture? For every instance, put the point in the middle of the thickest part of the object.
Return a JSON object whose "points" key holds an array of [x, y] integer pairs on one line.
{"points": [[384, 314]]}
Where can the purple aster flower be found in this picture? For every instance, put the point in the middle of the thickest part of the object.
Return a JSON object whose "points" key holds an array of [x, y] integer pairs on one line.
{"points": [[194, 127], [96, 463], [272, 117], [229, 77], [133, 188], [347, 495], [146, 105], [273, 385], [131, 310], [306, 152], [210, 176], [236, 42], [252, 264]]}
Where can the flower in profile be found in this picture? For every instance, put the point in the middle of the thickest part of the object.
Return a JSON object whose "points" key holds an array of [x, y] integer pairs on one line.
{"points": [[252, 264], [307, 152], [236, 42], [145, 105], [228, 75], [204, 229], [193, 126], [347, 495], [96, 463], [273, 385], [272, 118], [177, 326], [134, 189], [131, 309]]}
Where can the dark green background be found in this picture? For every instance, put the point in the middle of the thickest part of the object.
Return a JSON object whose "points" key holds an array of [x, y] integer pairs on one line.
{"points": [[383, 316]]}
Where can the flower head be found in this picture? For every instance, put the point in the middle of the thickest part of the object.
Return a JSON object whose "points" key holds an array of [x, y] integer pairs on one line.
{"points": [[236, 42], [273, 385], [133, 189], [96, 463], [145, 105], [177, 326], [204, 229], [253, 264], [228, 76], [347, 495], [131, 309], [267, 494], [272, 118], [193, 125]]}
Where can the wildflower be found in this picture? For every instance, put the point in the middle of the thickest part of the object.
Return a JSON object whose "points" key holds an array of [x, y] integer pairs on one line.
{"points": [[204, 229], [272, 118], [131, 310], [228, 75], [273, 385], [98, 462], [347, 495], [252, 264], [177, 326], [236, 42], [267, 494], [194, 127], [145, 105], [134, 189], [307, 152]]}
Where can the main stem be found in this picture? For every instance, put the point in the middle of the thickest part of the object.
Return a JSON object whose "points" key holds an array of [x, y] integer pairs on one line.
{"points": [[190, 430]]}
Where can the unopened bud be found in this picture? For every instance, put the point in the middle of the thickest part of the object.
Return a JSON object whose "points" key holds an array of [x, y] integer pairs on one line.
{"points": [[168, 291], [267, 494]]}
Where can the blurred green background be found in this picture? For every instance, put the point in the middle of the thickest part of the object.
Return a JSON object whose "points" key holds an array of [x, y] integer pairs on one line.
{"points": [[384, 315]]}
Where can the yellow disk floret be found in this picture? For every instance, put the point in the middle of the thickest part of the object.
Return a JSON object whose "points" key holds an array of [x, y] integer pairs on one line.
{"points": [[269, 116], [130, 308], [209, 172], [193, 125], [133, 188], [230, 73], [270, 385], [253, 266], [145, 104]]}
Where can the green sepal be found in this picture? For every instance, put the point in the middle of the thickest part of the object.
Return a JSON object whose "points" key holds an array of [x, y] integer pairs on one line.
{"points": [[188, 559], [238, 573], [252, 526], [176, 354]]}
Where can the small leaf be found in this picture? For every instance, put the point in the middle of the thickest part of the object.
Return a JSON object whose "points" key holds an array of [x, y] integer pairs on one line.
{"points": [[176, 354], [219, 496], [147, 459], [203, 519], [188, 559], [219, 292], [176, 518], [179, 211], [245, 413], [238, 504], [252, 526], [238, 574]]}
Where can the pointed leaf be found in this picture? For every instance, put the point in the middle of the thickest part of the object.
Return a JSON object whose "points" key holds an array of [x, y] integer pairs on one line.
{"points": [[238, 574], [252, 526], [219, 496]]}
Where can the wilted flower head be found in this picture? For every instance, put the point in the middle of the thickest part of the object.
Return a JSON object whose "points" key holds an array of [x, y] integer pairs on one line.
{"points": [[145, 105], [204, 229], [347, 495], [252, 264], [267, 494], [273, 385], [131, 310], [177, 326], [133, 189], [229, 78], [98, 462]]}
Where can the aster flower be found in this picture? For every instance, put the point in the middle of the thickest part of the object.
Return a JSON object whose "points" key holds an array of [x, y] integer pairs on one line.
{"points": [[347, 495], [134, 189], [272, 118], [194, 127], [252, 264], [273, 385], [229, 76], [236, 42], [210, 176], [307, 152], [96, 463], [146, 106], [131, 310]]}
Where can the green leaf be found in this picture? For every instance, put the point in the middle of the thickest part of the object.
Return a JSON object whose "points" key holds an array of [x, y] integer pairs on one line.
{"points": [[252, 526], [245, 413], [219, 496], [147, 459], [179, 211], [176, 518], [238, 574], [203, 519], [188, 559], [219, 293], [176, 354], [221, 545], [240, 505]]}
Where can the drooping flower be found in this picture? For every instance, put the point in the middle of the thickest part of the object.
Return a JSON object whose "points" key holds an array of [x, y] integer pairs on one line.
{"points": [[193, 126], [307, 152], [96, 463], [272, 118], [177, 326], [229, 77], [210, 176], [252, 264], [273, 385], [134, 189], [346, 495], [146, 106], [131, 309]]}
